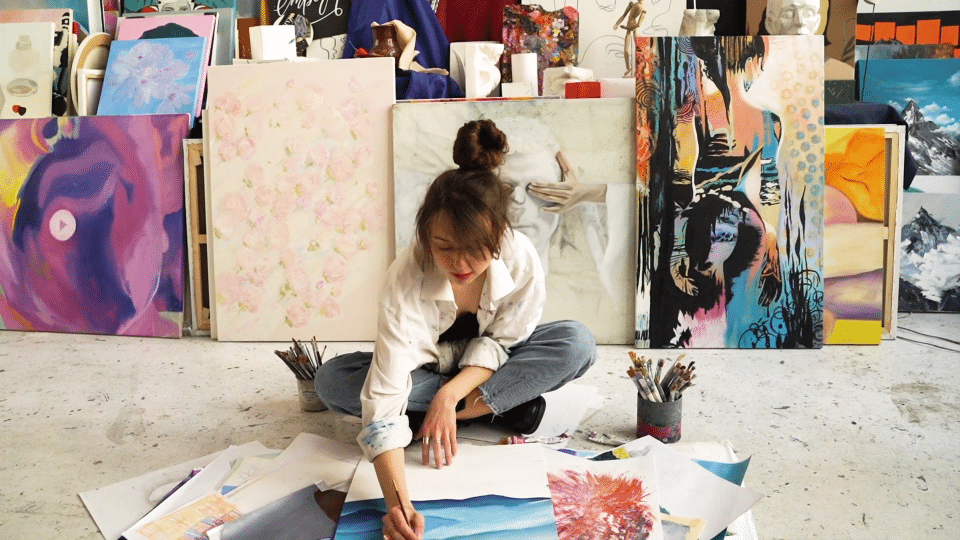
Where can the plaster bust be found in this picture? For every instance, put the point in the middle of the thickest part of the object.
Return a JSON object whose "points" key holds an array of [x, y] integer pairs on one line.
{"points": [[793, 17], [699, 22]]}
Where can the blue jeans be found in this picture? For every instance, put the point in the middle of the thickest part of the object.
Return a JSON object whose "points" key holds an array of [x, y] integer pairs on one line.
{"points": [[555, 354]]}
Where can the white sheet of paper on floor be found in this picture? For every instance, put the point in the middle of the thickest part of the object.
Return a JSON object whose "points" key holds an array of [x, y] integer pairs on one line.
{"points": [[565, 409], [309, 459], [116, 507], [687, 489], [201, 485]]}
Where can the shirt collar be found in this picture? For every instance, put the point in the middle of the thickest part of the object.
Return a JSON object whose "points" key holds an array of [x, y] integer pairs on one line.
{"points": [[499, 283]]}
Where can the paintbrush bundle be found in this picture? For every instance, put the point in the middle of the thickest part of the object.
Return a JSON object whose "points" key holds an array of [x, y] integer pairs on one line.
{"points": [[303, 361], [658, 384]]}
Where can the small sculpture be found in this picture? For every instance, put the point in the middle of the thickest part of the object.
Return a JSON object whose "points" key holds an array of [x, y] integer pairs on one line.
{"points": [[792, 17], [633, 15]]}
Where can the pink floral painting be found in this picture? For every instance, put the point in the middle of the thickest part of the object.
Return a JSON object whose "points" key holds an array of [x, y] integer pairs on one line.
{"points": [[300, 178]]}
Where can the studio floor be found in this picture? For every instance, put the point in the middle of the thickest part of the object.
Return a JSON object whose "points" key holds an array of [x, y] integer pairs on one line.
{"points": [[846, 442]]}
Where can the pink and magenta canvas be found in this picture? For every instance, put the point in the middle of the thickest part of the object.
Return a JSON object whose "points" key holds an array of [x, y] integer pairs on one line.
{"points": [[91, 225]]}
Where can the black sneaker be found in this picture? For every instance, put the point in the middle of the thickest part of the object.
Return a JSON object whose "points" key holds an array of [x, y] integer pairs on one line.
{"points": [[524, 418]]}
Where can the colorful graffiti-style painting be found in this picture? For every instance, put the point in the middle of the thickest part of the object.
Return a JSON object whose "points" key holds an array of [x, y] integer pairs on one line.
{"points": [[730, 173], [552, 35], [854, 235], [299, 192], [585, 243], [92, 225], [497, 491]]}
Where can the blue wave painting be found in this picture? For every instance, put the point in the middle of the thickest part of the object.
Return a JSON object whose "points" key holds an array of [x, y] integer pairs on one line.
{"points": [[487, 517]]}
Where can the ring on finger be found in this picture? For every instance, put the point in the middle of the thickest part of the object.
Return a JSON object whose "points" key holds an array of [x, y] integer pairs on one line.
{"points": [[385, 537], [426, 440]]}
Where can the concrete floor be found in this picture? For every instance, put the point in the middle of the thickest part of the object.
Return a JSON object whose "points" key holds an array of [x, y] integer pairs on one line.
{"points": [[847, 442]]}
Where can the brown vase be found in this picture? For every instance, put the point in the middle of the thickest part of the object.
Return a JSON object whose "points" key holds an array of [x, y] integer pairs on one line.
{"points": [[385, 41]]}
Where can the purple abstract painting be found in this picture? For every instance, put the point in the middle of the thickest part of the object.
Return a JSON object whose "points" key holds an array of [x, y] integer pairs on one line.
{"points": [[91, 224]]}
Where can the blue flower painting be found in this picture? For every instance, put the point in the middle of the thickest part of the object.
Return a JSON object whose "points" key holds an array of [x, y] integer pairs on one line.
{"points": [[153, 76]]}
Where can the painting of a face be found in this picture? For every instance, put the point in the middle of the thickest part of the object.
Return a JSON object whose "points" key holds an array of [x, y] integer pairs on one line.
{"points": [[94, 241]]}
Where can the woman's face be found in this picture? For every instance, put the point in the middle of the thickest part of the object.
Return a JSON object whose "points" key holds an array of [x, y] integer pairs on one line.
{"points": [[461, 266], [520, 170]]}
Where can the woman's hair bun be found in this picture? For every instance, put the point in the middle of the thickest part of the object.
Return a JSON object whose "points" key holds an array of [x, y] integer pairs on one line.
{"points": [[480, 145]]}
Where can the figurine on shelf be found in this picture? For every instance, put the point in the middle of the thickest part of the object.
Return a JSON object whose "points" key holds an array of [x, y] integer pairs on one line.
{"points": [[633, 16]]}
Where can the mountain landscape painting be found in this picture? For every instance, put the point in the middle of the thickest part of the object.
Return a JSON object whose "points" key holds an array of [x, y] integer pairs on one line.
{"points": [[926, 92], [930, 252]]}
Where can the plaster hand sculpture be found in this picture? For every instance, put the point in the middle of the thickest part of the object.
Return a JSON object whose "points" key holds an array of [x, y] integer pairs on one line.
{"points": [[555, 79], [793, 17], [699, 22], [633, 15]]}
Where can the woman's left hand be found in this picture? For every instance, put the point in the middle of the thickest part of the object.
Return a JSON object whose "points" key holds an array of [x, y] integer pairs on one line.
{"points": [[439, 430]]}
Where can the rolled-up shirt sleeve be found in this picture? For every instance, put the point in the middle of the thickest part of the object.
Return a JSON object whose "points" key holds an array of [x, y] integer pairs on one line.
{"points": [[403, 344]]}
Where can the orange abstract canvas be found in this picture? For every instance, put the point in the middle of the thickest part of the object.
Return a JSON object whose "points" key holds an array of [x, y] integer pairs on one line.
{"points": [[854, 234]]}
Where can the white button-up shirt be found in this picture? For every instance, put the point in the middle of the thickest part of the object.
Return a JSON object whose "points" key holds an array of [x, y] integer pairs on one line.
{"points": [[417, 306]]}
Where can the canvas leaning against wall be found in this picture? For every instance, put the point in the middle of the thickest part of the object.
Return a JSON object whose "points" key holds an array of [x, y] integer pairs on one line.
{"points": [[730, 157], [586, 248], [855, 205], [299, 193], [92, 234]]}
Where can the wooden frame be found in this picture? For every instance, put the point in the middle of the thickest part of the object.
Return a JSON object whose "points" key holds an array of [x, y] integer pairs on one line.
{"points": [[196, 232]]}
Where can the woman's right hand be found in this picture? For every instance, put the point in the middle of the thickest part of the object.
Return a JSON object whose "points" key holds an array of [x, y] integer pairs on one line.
{"points": [[396, 526]]}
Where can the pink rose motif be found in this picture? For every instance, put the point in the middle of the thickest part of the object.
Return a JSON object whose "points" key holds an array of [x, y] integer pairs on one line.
{"points": [[297, 316], [362, 156], [263, 195], [234, 206], [278, 234], [230, 103], [225, 128], [254, 173], [250, 299], [228, 288], [330, 308], [254, 239], [288, 258], [345, 246], [246, 147], [298, 280], [227, 150], [335, 271]]}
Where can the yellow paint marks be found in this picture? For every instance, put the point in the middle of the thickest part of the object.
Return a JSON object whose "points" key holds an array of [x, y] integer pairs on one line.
{"points": [[853, 332]]}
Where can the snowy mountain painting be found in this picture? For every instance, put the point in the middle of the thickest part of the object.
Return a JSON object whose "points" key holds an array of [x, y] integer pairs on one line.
{"points": [[926, 92], [930, 252]]}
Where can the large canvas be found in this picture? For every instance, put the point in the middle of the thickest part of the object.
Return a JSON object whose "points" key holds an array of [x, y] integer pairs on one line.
{"points": [[586, 249], [63, 48], [601, 41], [927, 94], [153, 76], [225, 40], [604, 499], [92, 234], [930, 252], [730, 173], [855, 233], [26, 69], [299, 194], [176, 26], [488, 492]]}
